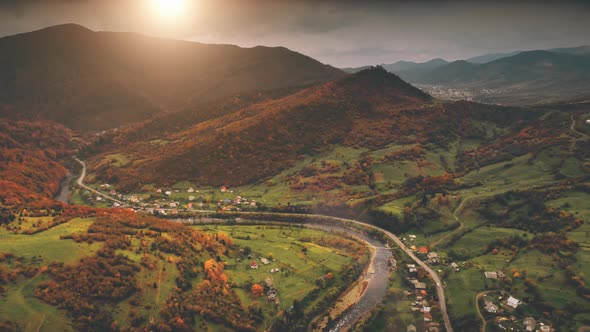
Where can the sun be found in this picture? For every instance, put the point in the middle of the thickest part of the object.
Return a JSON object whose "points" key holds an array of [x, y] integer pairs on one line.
{"points": [[169, 8]]}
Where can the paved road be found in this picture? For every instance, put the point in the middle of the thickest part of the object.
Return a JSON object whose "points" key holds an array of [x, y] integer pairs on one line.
{"points": [[439, 288], [80, 182]]}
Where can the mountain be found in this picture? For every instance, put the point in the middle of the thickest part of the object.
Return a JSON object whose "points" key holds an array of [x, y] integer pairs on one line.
{"points": [[401, 66], [528, 77], [259, 140], [30, 171], [485, 58], [352, 70], [95, 80], [367, 110], [579, 50]]}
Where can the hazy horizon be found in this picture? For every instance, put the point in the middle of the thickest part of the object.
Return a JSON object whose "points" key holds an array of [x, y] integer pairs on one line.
{"points": [[339, 33]]}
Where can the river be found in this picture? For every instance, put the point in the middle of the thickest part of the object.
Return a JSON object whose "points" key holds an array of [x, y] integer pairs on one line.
{"points": [[64, 189], [376, 276]]}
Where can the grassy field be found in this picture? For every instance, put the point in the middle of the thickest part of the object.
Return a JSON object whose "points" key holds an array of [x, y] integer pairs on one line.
{"points": [[47, 245], [19, 304], [477, 240], [576, 202], [284, 246]]}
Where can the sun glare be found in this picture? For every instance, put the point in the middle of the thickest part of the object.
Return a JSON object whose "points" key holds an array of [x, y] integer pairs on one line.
{"points": [[170, 8]]}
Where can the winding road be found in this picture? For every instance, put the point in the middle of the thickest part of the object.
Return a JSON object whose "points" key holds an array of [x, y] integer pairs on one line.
{"points": [[394, 238], [80, 183]]}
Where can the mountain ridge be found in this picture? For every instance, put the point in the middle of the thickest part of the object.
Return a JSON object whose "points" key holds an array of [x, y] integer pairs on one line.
{"points": [[94, 80]]}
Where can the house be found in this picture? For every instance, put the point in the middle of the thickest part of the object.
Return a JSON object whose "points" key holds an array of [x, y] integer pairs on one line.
{"points": [[168, 193], [432, 257], [412, 237], [545, 328], [113, 192], [491, 307], [253, 204], [253, 265], [264, 261], [427, 317], [410, 328], [420, 285], [412, 268], [501, 274], [272, 295], [530, 323], [268, 282], [223, 189], [275, 270], [423, 250], [191, 198], [455, 266], [173, 204], [425, 309], [512, 302], [588, 121], [159, 191], [98, 198], [190, 190], [491, 274]]}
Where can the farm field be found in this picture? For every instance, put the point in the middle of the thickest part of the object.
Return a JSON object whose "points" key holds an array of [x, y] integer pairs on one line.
{"points": [[291, 250]]}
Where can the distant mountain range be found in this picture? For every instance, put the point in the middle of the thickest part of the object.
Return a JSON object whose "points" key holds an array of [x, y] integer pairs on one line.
{"points": [[485, 58], [521, 77], [401, 66], [96, 80]]}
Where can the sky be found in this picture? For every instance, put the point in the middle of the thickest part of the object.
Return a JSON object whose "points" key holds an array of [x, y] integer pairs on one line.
{"points": [[340, 33]]}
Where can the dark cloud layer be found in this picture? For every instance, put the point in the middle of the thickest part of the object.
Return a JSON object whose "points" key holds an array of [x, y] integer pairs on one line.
{"points": [[342, 33]]}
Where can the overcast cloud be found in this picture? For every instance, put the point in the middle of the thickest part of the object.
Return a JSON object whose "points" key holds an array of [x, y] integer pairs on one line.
{"points": [[341, 33]]}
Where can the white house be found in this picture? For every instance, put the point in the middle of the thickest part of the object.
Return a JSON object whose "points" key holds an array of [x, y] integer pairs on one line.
{"points": [[513, 302], [168, 192], [190, 190]]}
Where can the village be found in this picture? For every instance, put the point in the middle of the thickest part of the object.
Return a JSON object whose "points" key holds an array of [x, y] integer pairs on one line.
{"points": [[497, 307], [168, 201]]}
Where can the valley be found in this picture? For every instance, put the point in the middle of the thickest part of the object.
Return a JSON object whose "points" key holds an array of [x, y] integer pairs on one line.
{"points": [[153, 184]]}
